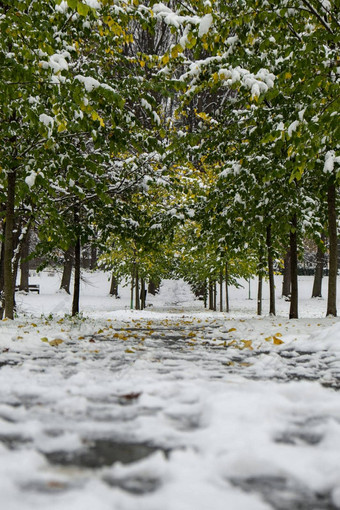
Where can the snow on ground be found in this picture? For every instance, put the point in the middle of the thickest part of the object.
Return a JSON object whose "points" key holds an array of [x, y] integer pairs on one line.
{"points": [[173, 407]]}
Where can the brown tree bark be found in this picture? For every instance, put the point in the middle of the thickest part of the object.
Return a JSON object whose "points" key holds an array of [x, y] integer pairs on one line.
{"points": [[142, 294], [259, 295], [76, 287], [2, 300], [293, 312], [153, 287], [114, 286], [132, 287], [320, 261], [286, 282], [67, 270], [226, 288], [93, 261], [9, 247], [24, 264], [270, 271], [333, 249], [221, 291], [211, 295], [137, 299]]}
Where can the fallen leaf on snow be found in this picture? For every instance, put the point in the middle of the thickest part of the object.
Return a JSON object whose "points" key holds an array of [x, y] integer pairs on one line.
{"points": [[56, 342]]}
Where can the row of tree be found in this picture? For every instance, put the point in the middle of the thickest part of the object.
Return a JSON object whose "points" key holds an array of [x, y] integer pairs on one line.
{"points": [[198, 136]]}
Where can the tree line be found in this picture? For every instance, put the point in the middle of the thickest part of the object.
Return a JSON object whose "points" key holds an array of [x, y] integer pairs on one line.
{"points": [[193, 138]]}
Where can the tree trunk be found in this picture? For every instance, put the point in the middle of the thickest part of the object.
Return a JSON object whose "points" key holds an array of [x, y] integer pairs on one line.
{"points": [[198, 289], [114, 286], [9, 247], [2, 300], [320, 260], [333, 249], [270, 271], [226, 288], [153, 287], [67, 270], [221, 291], [286, 282], [137, 300], [132, 287], [215, 296], [211, 295], [76, 288], [142, 294], [293, 312], [259, 295], [24, 264], [93, 261]]}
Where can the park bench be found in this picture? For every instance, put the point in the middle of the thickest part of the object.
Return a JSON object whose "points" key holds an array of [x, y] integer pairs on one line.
{"points": [[33, 287]]}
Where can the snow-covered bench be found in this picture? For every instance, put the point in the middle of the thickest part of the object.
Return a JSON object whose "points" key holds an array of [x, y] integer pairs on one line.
{"points": [[33, 287]]}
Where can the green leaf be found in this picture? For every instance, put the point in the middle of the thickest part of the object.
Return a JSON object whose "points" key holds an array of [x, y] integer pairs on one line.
{"points": [[72, 3], [82, 9]]}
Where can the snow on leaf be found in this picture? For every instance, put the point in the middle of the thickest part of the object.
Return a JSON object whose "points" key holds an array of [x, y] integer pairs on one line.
{"points": [[91, 83], [293, 127], [205, 25], [48, 121], [30, 179], [330, 159]]}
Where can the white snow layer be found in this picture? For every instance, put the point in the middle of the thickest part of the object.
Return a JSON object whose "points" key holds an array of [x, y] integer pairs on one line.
{"points": [[93, 3], [330, 160], [48, 121], [30, 179], [91, 83], [293, 127], [205, 25], [240, 409]]}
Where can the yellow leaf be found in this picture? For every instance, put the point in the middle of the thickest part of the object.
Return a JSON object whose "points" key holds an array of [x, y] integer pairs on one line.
{"points": [[268, 338], [176, 50], [165, 59], [62, 127], [129, 351], [277, 341], [288, 76], [248, 344], [142, 63], [278, 334], [231, 329], [34, 325], [55, 342]]}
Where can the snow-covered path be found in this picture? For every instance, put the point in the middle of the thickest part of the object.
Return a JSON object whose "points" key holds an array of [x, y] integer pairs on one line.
{"points": [[176, 412]]}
